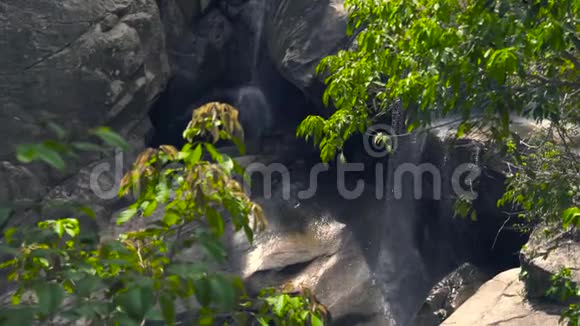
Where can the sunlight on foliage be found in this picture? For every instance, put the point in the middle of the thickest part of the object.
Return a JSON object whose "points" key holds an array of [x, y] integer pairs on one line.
{"points": [[479, 60], [186, 198], [563, 290]]}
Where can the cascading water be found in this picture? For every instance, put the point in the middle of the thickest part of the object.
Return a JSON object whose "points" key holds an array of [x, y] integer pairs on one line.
{"points": [[258, 17], [253, 103], [254, 111]]}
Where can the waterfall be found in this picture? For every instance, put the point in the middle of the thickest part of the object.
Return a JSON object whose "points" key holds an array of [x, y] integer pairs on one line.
{"points": [[254, 106], [251, 100], [258, 18]]}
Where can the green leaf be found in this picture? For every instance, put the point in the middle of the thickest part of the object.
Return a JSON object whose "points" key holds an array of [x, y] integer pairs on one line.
{"points": [[50, 297], [240, 145], [167, 304], [57, 129], [110, 137], [125, 320], [10, 251], [571, 217], [51, 157], [315, 320], [223, 292], [171, 218], [213, 247], [263, 321], [191, 157], [137, 301], [5, 214], [215, 220], [214, 152], [87, 286], [16, 316], [71, 227], [227, 164], [9, 233], [88, 211], [149, 208], [279, 305], [187, 271], [32, 152], [202, 291], [87, 147], [207, 320], [126, 215]]}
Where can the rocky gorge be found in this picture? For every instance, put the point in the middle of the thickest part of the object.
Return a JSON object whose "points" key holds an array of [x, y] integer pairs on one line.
{"points": [[383, 257]]}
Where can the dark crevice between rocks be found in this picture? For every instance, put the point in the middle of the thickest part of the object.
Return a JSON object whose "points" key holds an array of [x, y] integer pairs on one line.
{"points": [[286, 105], [502, 241]]}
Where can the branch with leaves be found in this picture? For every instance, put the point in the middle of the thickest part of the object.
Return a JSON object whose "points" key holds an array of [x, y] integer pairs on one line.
{"points": [[141, 274]]}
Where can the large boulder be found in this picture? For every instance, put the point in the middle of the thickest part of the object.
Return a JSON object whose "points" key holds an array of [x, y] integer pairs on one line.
{"points": [[548, 251], [302, 32], [371, 259], [78, 64], [501, 301], [450, 293]]}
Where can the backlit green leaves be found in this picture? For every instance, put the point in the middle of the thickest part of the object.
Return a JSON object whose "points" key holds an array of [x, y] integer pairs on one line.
{"points": [[182, 201], [127, 215], [69, 226], [110, 137], [451, 57], [296, 309], [571, 217]]}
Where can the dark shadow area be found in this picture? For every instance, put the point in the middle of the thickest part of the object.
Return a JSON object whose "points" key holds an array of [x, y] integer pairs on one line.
{"points": [[269, 105]]}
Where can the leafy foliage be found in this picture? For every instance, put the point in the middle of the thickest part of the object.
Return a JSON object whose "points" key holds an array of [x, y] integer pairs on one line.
{"points": [[543, 184], [291, 309], [218, 120], [563, 289], [481, 60], [182, 201], [54, 151]]}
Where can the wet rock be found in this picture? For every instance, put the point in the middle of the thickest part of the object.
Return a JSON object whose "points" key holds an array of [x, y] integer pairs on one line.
{"points": [[449, 294], [548, 251]]}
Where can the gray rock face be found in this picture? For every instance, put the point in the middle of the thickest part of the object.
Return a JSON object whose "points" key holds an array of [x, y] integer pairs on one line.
{"points": [[198, 56], [301, 32], [78, 64], [198, 59], [175, 21], [544, 256], [450, 293], [371, 259], [501, 302]]}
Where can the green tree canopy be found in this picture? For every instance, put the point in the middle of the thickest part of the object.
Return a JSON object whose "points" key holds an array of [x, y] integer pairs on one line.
{"points": [[481, 60]]}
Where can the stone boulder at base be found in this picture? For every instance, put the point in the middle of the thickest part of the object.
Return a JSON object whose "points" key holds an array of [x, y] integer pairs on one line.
{"points": [[302, 32], [501, 301], [450, 293], [78, 64]]}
